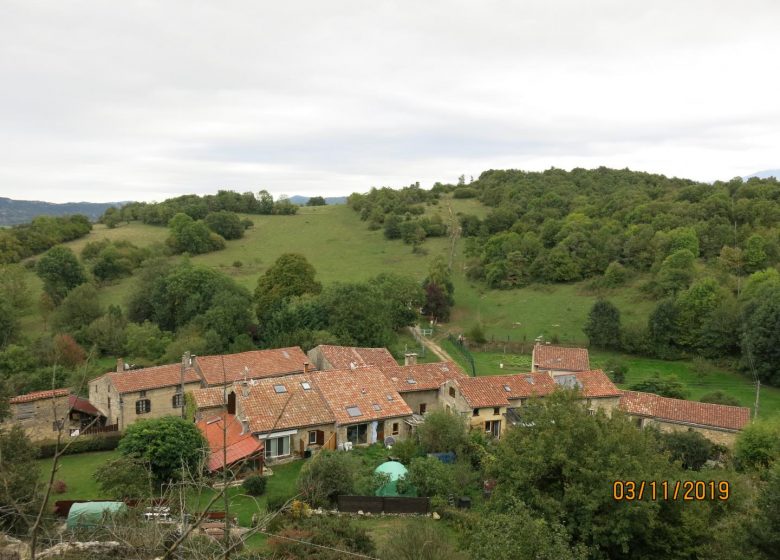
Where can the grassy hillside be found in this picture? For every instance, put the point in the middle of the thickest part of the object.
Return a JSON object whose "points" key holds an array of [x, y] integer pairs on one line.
{"points": [[341, 248]]}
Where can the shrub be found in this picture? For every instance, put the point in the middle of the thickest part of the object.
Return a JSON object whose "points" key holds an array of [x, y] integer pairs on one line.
{"points": [[406, 450], [431, 477], [82, 444], [59, 487], [616, 370], [719, 397], [464, 192], [254, 485], [237, 264], [615, 275], [665, 387], [277, 501], [326, 476], [476, 334]]}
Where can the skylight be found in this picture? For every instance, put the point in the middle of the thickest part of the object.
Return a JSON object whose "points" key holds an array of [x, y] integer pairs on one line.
{"points": [[376, 407], [411, 381], [280, 388], [507, 389], [354, 411], [306, 386], [285, 354], [530, 380], [389, 397]]}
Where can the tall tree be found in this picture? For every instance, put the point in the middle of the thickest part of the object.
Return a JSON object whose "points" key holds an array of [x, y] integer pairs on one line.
{"points": [[439, 290], [603, 325], [167, 445], [291, 275], [60, 271]]}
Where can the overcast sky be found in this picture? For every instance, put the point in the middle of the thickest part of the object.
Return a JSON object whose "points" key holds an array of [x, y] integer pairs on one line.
{"points": [[107, 100]]}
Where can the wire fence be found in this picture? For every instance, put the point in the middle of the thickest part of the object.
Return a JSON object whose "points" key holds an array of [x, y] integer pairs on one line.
{"points": [[461, 347]]}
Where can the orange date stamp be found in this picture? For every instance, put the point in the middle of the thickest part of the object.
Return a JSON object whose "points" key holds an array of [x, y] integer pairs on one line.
{"points": [[671, 490]]}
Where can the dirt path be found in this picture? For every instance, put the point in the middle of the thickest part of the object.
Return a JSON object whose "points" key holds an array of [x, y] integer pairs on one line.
{"points": [[431, 345]]}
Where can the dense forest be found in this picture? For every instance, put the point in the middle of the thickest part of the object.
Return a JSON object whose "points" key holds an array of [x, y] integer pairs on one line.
{"points": [[44, 232], [705, 253]]}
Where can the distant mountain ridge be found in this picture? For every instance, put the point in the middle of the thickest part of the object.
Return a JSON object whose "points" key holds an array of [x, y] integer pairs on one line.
{"points": [[766, 174], [298, 199], [13, 212]]}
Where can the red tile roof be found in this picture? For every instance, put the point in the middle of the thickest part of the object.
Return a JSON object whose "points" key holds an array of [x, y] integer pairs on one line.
{"points": [[687, 412], [252, 365], [38, 395], [291, 406], [546, 357], [209, 397], [151, 378], [82, 405], [365, 388], [500, 390], [596, 383], [340, 357], [223, 434], [422, 377]]}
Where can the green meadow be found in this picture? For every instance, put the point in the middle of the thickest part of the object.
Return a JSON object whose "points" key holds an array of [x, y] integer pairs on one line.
{"points": [[342, 248]]}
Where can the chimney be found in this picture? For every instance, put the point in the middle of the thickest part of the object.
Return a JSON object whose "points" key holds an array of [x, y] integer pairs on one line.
{"points": [[305, 367], [410, 359], [245, 389], [120, 365]]}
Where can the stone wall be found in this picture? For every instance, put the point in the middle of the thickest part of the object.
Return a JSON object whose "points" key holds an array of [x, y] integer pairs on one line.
{"points": [[38, 417], [721, 437]]}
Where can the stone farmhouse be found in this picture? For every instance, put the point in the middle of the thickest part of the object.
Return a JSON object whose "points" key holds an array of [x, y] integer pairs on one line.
{"points": [[493, 402], [125, 396], [292, 403], [718, 423], [43, 413], [302, 413]]}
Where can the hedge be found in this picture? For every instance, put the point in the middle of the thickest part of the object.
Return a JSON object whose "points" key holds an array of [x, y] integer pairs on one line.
{"points": [[82, 444]]}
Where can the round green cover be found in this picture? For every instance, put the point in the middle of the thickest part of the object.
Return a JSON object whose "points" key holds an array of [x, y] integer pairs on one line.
{"points": [[395, 471]]}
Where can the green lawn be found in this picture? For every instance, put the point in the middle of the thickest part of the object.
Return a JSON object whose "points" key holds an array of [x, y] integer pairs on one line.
{"points": [[77, 472]]}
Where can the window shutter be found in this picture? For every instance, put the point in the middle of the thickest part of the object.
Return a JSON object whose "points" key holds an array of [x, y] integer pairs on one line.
{"points": [[320, 437], [138, 407], [148, 405]]}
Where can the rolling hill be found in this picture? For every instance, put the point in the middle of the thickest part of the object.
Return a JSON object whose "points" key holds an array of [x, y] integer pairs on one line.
{"points": [[13, 212]]}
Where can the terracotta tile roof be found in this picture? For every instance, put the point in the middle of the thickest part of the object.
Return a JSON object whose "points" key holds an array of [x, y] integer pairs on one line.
{"points": [[340, 357], [82, 405], [366, 389], [596, 383], [223, 434], [155, 377], [688, 412], [499, 390], [548, 357], [282, 403], [424, 376], [209, 397], [38, 395], [258, 363]]}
